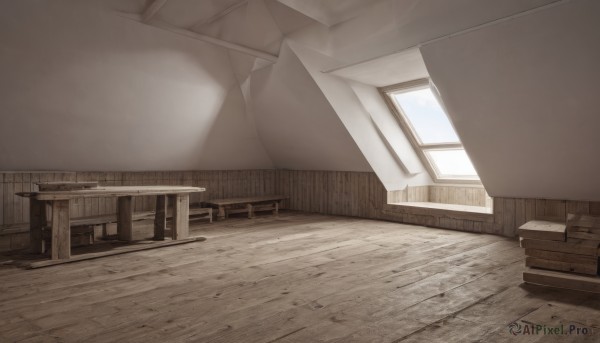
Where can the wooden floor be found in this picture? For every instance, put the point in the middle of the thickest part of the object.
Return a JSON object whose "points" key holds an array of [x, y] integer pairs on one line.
{"points": [[295, 278]]}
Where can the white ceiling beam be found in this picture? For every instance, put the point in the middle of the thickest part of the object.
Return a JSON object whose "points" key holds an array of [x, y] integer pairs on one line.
{"points": [[219, 15], [152, 10], [204, 38]]}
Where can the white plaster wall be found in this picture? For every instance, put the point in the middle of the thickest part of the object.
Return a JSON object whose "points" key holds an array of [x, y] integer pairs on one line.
{"points": [[523, 96], [83, 89], [298, 126]]}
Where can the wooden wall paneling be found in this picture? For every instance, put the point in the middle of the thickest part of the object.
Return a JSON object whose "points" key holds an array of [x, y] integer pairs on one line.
{"points": [[334, 193], [250, 182], [331, 196], [306, 191], [222, 184], [470, 196], [27, 187], [352, 193], [1, 201], [343, 183], [578, 207], [508, 223], [551, 209], [8, 199], [432, 196], [498, 216], [299, 190], [364, 204], [594, 207], [477, 226], [455, 195], [520, 213], [17, 200], [316, 192], [290, 187], [361, 203], [530, 209], [358, 194], [444, 195]]}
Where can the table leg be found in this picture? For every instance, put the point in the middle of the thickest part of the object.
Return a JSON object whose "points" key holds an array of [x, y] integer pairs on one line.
{"points": [[160, 218], [181, 216], [221, 213], [125, 218], [37, 220], [61, 230]]}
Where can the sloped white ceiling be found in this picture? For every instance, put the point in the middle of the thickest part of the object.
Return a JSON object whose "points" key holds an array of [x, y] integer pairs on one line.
{"points": [[297, 125], [250, 25], [523, 95], [391, 69], [187, 13], [390, 26], [329, 12]]}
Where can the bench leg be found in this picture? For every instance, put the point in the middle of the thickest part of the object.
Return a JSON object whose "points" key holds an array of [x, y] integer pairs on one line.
{"points": [[276, 208], [210, 214], [104, 230], [221, 214], [125, 218], [160, 218], [37, 220], [61, 230], [92, 236], [250, 209], [181, 216]]}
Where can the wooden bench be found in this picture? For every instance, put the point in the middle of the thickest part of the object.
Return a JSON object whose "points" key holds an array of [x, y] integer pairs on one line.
{"points": [[250, 205], [197, 213], [202, 212]]}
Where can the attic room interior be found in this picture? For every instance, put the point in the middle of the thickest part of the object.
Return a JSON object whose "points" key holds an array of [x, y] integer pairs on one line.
{"points": [[299, 171]]}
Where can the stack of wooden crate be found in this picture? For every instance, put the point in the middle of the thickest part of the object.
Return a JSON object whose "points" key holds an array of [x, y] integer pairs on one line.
{"points": [[560, 255]]}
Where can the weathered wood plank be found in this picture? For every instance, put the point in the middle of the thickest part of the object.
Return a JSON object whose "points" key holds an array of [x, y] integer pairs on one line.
{"points": [[589, 269], [565, 247], [562, 280], [543, 230], [160, 218], [125, 218], [181, 207], [564, 257], [61, 232]]}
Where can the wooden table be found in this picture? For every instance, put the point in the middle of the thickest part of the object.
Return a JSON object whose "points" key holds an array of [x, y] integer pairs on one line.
{"points": [[58, 201]]}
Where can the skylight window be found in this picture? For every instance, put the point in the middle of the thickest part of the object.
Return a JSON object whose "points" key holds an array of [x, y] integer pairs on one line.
{"points": [[429, 128]]}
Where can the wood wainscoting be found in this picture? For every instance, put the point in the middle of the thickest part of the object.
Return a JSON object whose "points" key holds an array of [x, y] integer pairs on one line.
{"points": [[355, 194], [361, 194]]}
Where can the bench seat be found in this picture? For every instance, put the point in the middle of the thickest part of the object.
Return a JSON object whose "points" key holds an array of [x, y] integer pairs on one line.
{"points": [[248, 205]]}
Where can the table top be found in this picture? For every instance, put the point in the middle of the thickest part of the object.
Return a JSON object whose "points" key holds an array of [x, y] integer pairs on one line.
{"points": [[111, 191]]}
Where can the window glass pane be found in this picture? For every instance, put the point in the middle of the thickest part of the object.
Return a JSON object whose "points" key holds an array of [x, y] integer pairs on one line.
{"points": [[452, 163], [426, 116]]}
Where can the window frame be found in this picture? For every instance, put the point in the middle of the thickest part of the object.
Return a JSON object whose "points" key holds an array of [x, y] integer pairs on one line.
{"points": [[406, 126]]}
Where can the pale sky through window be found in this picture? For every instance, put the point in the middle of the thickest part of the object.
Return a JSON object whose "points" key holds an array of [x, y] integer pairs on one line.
{"points": [[426, 117], [452, 162]]}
